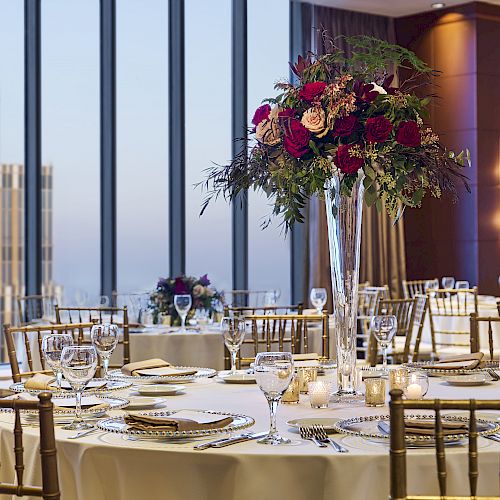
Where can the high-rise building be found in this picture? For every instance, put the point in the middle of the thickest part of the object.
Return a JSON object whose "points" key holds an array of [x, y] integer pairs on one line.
{"points": [[12, 236]]}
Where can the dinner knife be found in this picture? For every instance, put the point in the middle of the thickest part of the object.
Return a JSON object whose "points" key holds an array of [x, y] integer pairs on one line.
{"points": [[239, 439], [208, 444]]}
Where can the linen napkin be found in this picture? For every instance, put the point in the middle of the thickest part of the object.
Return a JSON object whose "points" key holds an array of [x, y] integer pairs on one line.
{"points": [[39, 381], [459, 362], [165, 371], [131, 368], [183, 420], [66, 403], [426, 428]]}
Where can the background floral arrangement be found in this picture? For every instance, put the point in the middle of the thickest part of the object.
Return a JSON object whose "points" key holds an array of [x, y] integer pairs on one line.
{"points": [[341, 118], [203, 295]]}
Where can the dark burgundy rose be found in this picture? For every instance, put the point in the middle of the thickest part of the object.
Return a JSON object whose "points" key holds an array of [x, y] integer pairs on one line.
{"points": [[408, 134], [311, 91], [345, 162], [261, 113], [296, 140], [204, 280], [378, 129], [365, 91], [180, 286], [345, 126]]}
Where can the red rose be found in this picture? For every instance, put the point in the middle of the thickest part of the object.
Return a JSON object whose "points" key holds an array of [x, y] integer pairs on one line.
{"points": [[345, 126], [345, 162], [378, 129], [296, 140], [408, 134], [261, 114], [310, 91]]}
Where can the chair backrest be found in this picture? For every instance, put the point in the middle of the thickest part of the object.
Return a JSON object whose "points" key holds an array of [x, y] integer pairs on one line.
{"points": [[367, 305], [475, 334], [248, 310], [28, 339], [48, 455], [284, 332], [32, 307], [116, 315], [242, 298], [421, 306], [404, 310], [450, 304], [398, 444], [414, 287]]}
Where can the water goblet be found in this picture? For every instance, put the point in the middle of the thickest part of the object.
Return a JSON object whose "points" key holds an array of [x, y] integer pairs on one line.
{"points": [[448, 282], [384, 327], [79, 364], [104, 338], [273, 373], [462, 284], [182, 305], [52, 346], [233, 332], [318, 299]]}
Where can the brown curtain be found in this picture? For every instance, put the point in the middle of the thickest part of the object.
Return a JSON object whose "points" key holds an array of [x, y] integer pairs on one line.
{"points": [[382, 243]]}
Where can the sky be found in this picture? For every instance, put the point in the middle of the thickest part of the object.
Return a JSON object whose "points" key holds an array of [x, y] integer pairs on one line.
{"points": [[70, 134]]}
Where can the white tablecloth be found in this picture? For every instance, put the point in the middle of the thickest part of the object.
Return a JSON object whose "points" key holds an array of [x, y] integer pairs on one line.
{"points": [[105, 466]]}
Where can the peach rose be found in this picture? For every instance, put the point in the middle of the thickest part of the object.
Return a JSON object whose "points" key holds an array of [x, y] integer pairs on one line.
{"points": [[268, 131], [314, 121], [198, 290]]}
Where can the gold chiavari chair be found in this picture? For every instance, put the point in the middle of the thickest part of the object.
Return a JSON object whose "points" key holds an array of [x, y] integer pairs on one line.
{"points": [[398, 445], [242, 298], [447, 305], [404, 310], [284, 332], [420, 350], [48, 454], [414, 287], [475, 346], [116, 315], [367, 305], [29, 340], [248, 310], [34, 307]]}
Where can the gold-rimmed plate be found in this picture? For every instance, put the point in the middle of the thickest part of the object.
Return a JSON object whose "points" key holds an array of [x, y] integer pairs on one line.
{"points": [[156, 379], [97, 389]]}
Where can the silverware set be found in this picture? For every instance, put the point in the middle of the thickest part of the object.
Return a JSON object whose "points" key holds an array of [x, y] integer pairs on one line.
{"points": [[493, 374], [318, 435]]}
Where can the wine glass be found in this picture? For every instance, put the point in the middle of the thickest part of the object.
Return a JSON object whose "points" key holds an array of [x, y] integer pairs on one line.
{"points": [[273, 373], [104, 338], [384, 327], [52, 346], [182, 305], [271, 297], [461, 284], [79, 364], [233, 331], [448, 282], [318, 299]]}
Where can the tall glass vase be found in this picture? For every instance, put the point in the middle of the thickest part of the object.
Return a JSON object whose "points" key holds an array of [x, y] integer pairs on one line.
{"points": [[344, 215]]}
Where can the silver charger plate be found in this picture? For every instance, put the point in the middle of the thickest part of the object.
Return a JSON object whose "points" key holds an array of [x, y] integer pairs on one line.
{"points": [[435, 372], [118, 425], [144, 379], [112, 385], [367, 428]]}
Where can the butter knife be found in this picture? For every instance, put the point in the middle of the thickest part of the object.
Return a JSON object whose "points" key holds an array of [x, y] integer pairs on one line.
{"points": [[209, 444], [239, 439]]}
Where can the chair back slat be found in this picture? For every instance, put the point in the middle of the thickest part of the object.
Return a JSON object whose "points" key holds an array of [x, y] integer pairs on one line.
{"points": [[475, 325], [417, 287], [18, 447], [473, 455], [440, 455]]}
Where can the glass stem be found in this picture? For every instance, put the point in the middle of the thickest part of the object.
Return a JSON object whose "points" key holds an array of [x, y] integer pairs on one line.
{"points": [[384, 356], [233, 361], [59, 378], [183, 322], [273, 407], [78, 407], [105, 364]]}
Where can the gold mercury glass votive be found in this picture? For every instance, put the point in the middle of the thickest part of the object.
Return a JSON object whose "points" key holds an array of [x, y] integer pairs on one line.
{"points": [[375, 392], [398, 378], [291, 395], [306, 374]]}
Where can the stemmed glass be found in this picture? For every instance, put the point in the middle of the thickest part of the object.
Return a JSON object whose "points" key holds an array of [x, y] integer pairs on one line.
{"points": [[79, 364], [273, 372], [463, 284], [384, 327], [52, 346], [182, 305], [104, 338], [233, 331], [318, 299], [448, 282]]}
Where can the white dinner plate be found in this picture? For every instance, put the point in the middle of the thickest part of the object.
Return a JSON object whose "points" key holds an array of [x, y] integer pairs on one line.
{"points": [[238, 378], [327, 423], [143, 403], [468, 380], [159, 389]]}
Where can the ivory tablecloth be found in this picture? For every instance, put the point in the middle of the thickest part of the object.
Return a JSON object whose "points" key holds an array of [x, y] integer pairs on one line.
{"points": [[105, 466]]}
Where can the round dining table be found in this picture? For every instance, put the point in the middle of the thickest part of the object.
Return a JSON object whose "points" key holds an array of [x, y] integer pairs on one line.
{"points": [[109, 466]]}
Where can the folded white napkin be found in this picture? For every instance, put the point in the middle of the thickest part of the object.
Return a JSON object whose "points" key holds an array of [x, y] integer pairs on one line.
{"points": [[165, 371], [458, 362], [132, 368], [39, 381]]}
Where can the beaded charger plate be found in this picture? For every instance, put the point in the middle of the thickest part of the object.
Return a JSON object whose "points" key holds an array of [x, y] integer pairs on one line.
{"points": [[374, 427], [111, 385], [156, 379], [118, 425], [435, 372]]}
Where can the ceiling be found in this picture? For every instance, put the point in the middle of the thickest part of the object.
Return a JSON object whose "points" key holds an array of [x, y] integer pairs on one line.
{"points": [[393, 8]]}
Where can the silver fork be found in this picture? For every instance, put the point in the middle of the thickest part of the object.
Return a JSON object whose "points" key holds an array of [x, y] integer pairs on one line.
{"points": [[307, 433], [320, 434]]}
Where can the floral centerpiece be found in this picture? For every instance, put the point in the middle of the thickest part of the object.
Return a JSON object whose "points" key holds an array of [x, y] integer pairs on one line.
{"points": [[344, 131], [203, 296]]}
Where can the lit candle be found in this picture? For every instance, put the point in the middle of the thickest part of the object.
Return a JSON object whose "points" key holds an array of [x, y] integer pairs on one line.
{"points": [[319, 394], [414, 391]]}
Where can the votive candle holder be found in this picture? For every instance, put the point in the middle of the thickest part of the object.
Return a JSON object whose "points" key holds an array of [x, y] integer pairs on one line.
{"points": [[291, 395], [319, 394], [398, 378], [306, 374], [375, 392]]}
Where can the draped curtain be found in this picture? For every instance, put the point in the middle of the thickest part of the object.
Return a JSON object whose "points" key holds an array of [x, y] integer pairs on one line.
{"points": [[382, 243]]}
